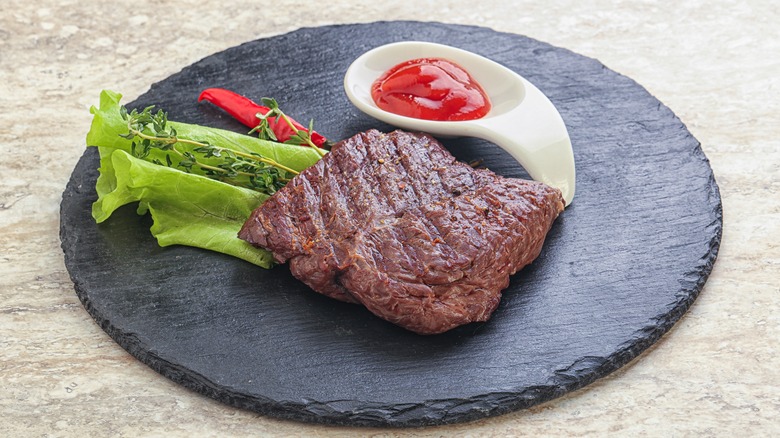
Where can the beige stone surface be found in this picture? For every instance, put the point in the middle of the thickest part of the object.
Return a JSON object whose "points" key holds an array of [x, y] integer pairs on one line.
{"points": [[715, 63]]}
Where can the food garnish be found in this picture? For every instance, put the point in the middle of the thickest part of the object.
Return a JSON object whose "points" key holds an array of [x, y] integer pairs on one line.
{"points": [[268, 121], [199, 183], [250, 170]]}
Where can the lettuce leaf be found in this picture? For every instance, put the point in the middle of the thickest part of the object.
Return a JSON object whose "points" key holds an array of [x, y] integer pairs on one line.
{"points": [[186, 208]]}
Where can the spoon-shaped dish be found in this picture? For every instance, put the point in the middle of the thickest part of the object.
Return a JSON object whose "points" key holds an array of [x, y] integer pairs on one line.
{"points": [[522, 121]]}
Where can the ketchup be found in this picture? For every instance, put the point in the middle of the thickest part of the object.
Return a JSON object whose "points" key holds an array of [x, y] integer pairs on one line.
{"points": [[430, 89]]}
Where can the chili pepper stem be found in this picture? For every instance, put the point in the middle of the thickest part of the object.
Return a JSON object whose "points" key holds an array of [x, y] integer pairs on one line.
{"points": [[308, 137]]}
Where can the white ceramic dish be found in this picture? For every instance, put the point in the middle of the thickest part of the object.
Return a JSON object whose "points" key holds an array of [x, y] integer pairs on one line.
{"points": [[522, 119]]}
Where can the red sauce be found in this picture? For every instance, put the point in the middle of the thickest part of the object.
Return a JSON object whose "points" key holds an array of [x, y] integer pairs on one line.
{"points": [[430, 89]]}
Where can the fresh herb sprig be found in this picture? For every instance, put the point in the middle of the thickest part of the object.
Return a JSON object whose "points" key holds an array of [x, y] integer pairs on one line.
{"points": [[265, 131], [149, 130]]}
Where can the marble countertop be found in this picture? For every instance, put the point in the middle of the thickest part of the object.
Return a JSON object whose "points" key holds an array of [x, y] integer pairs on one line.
{"points": [[714, 63]]}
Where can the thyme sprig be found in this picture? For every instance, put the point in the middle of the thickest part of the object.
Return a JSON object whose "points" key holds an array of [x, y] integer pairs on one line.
{"points": [[265, 131], [149, 130]]}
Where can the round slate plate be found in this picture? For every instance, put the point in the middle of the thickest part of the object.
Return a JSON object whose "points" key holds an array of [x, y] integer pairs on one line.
{"points": [[620, 266]]}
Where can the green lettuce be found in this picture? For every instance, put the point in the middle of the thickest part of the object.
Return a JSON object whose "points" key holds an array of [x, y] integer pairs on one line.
{"points": [[186, 208]]}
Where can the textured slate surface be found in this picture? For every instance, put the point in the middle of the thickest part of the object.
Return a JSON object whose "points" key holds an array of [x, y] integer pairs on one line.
{"points": [[620, 267]]}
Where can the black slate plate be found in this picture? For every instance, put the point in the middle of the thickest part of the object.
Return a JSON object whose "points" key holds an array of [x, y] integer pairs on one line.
{"points": [[620, 266]]}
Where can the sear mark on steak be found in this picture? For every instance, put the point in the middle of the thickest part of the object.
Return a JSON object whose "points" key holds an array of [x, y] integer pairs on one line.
{"points": [[394, 222]]}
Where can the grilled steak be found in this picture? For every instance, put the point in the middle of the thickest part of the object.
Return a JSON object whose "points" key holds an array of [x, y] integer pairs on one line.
{"points": [[394, 222]]}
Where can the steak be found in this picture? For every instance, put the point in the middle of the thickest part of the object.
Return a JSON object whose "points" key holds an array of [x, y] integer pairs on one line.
{"points": [[395, 223]]}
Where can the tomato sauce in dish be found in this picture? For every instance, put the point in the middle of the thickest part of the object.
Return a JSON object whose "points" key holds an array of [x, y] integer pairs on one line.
{"points": [[430, 89]]}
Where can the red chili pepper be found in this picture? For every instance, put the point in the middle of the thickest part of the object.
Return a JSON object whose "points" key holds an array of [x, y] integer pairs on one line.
{"points": [[245, 111]]}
